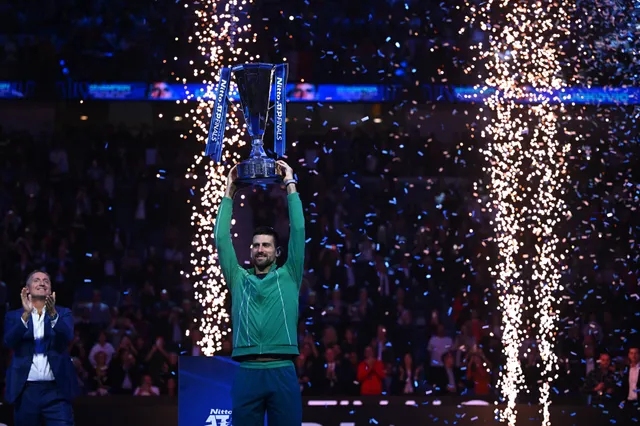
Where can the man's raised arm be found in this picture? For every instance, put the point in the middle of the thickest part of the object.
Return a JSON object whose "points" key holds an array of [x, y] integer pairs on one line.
{"points": [[222, 233], [295, 257]]}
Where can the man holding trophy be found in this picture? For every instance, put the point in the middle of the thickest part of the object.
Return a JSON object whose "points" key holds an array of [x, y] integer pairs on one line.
{"points": [[265, 297]]}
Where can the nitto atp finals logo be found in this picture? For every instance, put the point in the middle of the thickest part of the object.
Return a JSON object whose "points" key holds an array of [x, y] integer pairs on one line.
{"points": [[219, 417]]}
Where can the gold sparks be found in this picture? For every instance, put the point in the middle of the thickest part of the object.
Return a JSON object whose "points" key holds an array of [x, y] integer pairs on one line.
{"points": [[222, 39], [518, 65]]}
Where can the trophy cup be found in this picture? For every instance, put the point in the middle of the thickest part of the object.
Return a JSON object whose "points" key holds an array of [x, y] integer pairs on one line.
{"points": [[254, 82]]}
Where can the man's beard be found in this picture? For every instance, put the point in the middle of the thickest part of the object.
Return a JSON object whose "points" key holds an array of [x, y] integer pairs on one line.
{"points": [[263, 263]]}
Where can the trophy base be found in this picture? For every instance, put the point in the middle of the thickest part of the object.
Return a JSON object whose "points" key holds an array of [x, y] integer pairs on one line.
{"points": [[258, 171]]}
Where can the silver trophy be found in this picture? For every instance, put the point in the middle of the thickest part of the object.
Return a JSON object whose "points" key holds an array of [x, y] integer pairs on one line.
{"points": [[254, 82]]}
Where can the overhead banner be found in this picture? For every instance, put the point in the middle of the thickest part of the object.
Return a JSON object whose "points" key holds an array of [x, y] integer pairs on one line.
{"points": [[15, 90], [568, 95], [308, 92], [296, 92], [121, 91]]}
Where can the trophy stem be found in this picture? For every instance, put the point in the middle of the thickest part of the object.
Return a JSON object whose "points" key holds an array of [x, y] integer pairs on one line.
{"points": [[257, 148]]}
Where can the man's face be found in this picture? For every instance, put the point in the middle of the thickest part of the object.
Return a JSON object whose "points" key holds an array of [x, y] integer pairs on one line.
{"points": [[634, 355], [363, 295], [304, 91], [263, 251], [329, 356], [40, 285], [605, 361], [368, 352], [161, 91], [353, 358]]}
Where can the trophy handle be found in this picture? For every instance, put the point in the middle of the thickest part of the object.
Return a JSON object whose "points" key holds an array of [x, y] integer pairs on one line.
{"points": [[215, 138], [280, 114]]}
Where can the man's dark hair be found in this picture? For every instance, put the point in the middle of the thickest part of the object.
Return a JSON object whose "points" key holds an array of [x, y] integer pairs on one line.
{"points": [[267, 230]]}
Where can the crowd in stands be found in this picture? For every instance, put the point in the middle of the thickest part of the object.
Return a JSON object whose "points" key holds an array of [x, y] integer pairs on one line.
{"points": [[396, 297], [92, 40], [325, 42], [370, 42]]}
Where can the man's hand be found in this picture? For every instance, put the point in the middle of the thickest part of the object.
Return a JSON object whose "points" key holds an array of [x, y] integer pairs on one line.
{"points": [[27, 305], [287, 173], [599, 387], [231, 178], [50, 305], [284, 169]]}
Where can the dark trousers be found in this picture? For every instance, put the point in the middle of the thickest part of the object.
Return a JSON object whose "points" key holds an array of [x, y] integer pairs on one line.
{"points": [[42, 401], [274, 391], [629, 413]]}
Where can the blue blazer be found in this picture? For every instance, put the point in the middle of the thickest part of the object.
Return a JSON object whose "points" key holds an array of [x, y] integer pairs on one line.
{"points": [[56, 340]]}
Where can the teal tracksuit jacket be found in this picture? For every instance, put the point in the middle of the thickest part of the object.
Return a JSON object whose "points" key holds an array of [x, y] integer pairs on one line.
{"points": [[264, 311]]}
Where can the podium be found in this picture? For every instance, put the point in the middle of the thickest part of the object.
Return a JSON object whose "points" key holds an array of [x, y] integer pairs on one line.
{"points": [[204, 397]]}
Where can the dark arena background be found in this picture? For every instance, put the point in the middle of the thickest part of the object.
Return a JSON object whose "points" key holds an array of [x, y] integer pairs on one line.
{"points": [[470, 178]]}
